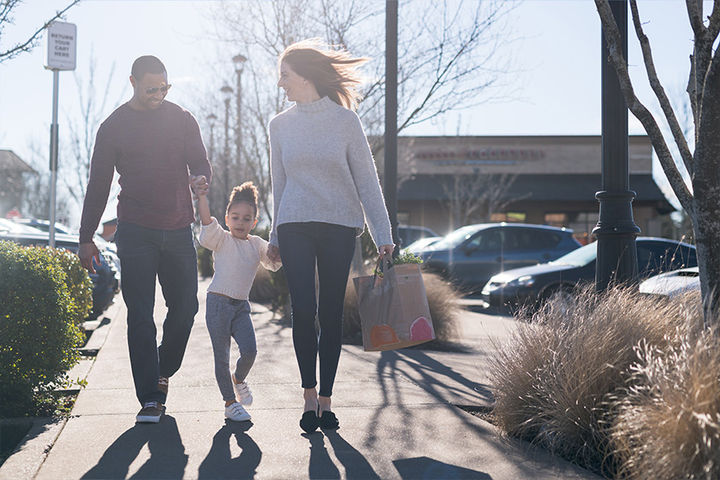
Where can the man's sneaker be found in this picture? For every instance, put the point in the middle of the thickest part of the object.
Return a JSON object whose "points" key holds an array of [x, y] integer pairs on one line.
{"points": [[242, 392], [236, 412], [163, 383], [150, 413]]}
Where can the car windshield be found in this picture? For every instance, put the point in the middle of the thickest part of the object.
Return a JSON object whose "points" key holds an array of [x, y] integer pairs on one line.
{"points": [[455, 238], [579, 257]]}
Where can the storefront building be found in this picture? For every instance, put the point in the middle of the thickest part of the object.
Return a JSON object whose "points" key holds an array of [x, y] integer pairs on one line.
{"points": [[446, 182]]}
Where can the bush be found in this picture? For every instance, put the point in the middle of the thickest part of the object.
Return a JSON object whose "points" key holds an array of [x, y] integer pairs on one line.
{"points": [[668, 422], [556, 380], [205, 262], [44, 295]]}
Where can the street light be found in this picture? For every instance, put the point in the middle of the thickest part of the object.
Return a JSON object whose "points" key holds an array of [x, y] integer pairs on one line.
{"points": [[239, 61], [616, 230], [227, 92]]}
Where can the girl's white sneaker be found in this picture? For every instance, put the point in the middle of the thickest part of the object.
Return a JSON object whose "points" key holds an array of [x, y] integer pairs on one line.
{"points": [[242, 393], [236, 413]]}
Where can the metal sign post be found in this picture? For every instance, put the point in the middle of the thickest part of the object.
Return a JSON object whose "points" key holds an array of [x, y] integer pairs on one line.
{"points": [[62, 48]]}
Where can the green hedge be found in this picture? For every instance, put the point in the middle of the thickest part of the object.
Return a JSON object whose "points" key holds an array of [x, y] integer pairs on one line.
{"points": [[44, 296]]}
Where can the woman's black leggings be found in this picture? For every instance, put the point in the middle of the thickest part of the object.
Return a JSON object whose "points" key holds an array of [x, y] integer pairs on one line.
{"points": [[330, 247]]}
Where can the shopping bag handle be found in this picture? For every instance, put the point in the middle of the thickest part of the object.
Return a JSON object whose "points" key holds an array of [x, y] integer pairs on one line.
{"points": [[382, 265]]}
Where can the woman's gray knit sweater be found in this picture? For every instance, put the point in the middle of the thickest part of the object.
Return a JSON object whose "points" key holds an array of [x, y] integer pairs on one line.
{"points": [[322, 170]]}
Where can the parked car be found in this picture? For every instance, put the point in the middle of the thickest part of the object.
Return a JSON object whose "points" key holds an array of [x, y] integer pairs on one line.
{"points": [[533, 285], [470, 255], [13, 227], [418, 245], [672, 284], [408, 234], [106, 279], [44, 225]]}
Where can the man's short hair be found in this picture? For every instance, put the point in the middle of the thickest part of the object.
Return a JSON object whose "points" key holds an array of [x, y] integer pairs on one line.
{"points": [[147, 64]]}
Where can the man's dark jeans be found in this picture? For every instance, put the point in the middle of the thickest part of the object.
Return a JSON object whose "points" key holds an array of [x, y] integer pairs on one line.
{"points": [[168, 255]]}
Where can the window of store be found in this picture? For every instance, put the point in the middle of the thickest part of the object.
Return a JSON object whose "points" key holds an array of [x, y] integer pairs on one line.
{"points": [[516, 217]]}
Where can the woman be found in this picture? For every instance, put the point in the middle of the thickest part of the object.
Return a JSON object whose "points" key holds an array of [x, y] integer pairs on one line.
{"points": [[324, 187]]}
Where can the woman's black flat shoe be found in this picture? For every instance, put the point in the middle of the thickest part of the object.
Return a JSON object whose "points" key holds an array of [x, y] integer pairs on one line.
{"points": [[328, 421], [309, 421]]}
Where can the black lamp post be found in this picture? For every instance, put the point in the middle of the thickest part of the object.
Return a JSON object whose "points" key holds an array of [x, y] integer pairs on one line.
{"points": [[616, 229], [391, 67], [239, 61]]}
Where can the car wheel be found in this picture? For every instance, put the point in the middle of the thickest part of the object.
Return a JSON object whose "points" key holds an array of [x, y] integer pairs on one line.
{"points": [[561, 297]]}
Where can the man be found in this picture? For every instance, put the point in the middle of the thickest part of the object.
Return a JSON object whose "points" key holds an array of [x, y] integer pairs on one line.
{"points": [[151, 143]]}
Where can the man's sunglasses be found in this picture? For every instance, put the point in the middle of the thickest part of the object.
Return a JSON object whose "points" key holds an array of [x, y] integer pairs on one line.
{"points": [[154, 90]]}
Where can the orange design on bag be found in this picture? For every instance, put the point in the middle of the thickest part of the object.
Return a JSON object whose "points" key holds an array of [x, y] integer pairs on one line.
{"points": [[382, 335], [421, 329]]}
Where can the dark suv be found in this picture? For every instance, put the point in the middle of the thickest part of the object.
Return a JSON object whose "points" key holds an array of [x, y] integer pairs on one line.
{"points": [[470, 255]]}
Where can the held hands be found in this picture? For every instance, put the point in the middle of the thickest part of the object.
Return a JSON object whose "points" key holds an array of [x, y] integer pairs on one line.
{"points": [[87, 253], [273, 253], [199, 185]]}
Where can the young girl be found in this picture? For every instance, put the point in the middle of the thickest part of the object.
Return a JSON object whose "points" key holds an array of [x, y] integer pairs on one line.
{"points": [[236, 256]]}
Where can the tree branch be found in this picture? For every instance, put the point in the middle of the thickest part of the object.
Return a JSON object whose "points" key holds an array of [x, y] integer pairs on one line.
{"points": [[657, 87], [612, 37], [30, 42]]}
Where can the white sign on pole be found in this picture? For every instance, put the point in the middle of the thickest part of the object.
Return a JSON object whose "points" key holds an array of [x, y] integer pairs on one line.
{"points": [[62, 46]]}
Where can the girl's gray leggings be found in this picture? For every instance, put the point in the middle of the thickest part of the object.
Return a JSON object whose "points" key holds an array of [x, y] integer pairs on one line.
{"points": [[226, 318]]}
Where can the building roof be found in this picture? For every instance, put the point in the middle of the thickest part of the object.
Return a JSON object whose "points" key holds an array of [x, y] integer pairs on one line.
{"points": [[11, 162], [565, 188]]}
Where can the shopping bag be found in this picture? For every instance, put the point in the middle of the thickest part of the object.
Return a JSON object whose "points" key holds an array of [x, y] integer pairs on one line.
{"points": [[393, 307]]}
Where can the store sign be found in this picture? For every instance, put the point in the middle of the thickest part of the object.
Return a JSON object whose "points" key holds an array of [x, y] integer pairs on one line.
{"points": [[62, 46], [482, 155]]}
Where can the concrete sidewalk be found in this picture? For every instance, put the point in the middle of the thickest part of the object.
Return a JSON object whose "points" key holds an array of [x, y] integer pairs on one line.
{"points": [[398, 418]]}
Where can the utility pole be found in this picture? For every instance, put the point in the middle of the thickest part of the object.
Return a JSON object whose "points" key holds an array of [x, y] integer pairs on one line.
{"points": [[227, 92], [239, 61]]}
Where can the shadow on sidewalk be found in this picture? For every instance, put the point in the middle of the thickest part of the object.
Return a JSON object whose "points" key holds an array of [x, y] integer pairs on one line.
{"points": [[321, 465], [167, 453], [397, 366], [219, 462], [427, 468]]}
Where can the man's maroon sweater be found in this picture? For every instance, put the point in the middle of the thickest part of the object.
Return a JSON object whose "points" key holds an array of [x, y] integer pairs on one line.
{"points": [[152, 150]]}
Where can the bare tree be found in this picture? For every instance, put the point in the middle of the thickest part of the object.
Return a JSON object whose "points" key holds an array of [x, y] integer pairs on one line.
{"points": [[449, 59], [35, 200], [7, 10], [474, 198], [700, 199], [82, 127]]}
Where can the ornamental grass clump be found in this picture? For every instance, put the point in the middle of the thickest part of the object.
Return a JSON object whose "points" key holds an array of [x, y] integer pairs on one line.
{"points": [[668, 420], [554, 379]]}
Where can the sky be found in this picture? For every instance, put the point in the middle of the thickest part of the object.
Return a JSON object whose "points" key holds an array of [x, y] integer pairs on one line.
{"points": [[557, 54]]}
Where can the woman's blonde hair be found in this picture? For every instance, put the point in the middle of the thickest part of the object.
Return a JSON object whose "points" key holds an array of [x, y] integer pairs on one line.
{"points": [[333, 72]]}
